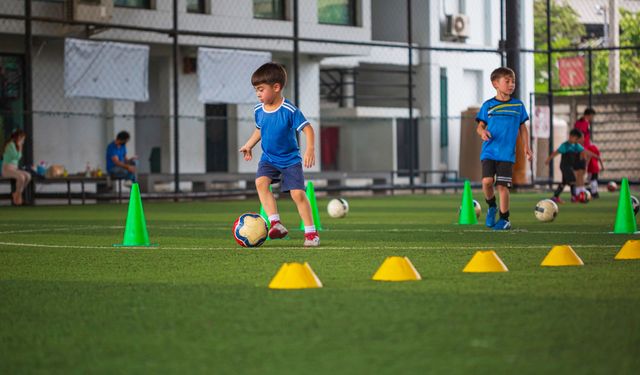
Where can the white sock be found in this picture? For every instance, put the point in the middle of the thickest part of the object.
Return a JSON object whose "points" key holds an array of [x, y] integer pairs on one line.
{"points": [[580, 190], [594, 186], [309, 229], [274, 217]]}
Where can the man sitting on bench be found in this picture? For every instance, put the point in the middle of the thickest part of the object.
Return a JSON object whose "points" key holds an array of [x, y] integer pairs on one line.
{"points": [[118, 165]]}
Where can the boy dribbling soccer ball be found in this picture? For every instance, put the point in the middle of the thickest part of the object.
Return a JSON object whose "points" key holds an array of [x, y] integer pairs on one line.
{"points": [[277, 123]]}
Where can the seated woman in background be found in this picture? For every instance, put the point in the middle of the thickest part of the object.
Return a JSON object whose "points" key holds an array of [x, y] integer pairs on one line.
{"points": [[10, 159]]}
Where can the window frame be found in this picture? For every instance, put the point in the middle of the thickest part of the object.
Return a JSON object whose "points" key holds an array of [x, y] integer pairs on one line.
{"points": [[148, 5], [353, 19], [202, 7], [280, 17]]}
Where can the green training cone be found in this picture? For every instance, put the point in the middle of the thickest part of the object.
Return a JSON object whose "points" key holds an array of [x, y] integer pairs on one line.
{"points": [[311, 195], [467, 213], [135, 231], [625, 219]]}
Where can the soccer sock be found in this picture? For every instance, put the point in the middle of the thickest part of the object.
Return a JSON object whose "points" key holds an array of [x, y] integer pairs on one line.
{"points": [[309, 229], [594, 186], [491, 202], [504, 215], [274, 217], [558, 190]]}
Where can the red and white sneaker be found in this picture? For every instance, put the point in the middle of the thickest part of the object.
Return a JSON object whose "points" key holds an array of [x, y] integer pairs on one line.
{"points": [[277, 230], [311, 239], [557, 199]]}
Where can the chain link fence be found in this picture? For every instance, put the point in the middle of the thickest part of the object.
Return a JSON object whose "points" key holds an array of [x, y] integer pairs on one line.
{"points": [[390, 86]]}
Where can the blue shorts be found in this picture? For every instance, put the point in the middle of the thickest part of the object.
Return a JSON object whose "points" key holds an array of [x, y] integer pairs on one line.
{"points": [[291, 177]]}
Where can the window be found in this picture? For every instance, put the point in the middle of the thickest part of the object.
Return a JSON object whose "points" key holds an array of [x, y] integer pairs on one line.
{"points": [[268, 9], [144, 4], [196, 6], [337, 12]]}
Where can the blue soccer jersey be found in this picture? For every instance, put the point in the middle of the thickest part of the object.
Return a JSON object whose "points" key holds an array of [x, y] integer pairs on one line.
{"points": [[503, 121], [278, 130]]}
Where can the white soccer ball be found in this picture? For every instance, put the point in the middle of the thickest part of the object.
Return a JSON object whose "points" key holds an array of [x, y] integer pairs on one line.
{"points": [[476, 207], [636, 204], [546, 210], [587, 196], [338, 208]]}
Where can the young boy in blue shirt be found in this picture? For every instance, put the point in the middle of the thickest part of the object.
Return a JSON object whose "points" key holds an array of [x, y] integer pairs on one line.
{"points": [[277, 123], [500, 121], [572, 152]]}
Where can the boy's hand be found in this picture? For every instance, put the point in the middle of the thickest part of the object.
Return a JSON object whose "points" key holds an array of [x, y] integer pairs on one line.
{"points": [[529, 154], [247, 152], [484, 134], [309, 157]]}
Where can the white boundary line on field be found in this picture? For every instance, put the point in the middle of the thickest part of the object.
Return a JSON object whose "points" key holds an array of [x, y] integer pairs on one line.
{"points": [[498, 247], [77, 227]]}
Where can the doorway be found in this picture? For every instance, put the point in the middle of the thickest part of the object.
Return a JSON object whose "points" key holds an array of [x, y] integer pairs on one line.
{"points": [[216, 124]]}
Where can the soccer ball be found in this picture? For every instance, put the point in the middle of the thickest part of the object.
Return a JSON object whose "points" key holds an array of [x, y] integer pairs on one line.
{"points": [[338, 208], [476, 207], [636, 205], [546, 210], [587, 196], [250, 230], [612, 186]]}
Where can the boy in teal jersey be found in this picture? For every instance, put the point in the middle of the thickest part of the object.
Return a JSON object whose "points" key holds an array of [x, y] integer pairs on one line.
{"points": [[572, 152], [277, 123], [501, 120]]}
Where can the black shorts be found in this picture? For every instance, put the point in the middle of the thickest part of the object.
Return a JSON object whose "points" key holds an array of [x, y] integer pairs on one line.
{"points": [[568, 174], [579, 164], [594, 177], [501, 170]]}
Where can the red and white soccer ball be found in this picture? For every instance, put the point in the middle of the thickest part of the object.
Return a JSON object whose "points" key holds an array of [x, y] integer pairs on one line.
{"points": [[612, 186], [250, 230]]}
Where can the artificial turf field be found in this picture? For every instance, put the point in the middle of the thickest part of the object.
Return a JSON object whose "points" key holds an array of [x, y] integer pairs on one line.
{"points": [[198, 303]]}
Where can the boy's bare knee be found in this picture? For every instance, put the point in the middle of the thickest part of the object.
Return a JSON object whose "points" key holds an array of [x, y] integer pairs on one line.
{"points": [[487, 181], [262, 183]]}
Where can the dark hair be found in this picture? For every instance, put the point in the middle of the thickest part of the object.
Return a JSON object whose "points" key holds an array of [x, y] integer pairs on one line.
{"points": [[502, 72], [269, 73], [575, 133], [589, 111], [17, 134], [123, 136]]}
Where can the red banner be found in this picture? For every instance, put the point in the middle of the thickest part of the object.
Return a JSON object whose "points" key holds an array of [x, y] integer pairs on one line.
{"points": [[571, 70]]}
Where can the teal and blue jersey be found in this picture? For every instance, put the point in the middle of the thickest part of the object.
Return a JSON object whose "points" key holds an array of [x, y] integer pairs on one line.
{"points": [[568, 147], [503, 121], [114, 150], [278, 129]]}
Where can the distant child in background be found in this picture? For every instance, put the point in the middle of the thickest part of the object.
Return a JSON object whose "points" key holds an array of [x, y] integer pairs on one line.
{"points": [[278, 122], [500, 121], [594, 167], [584, 125], [571, 152]]}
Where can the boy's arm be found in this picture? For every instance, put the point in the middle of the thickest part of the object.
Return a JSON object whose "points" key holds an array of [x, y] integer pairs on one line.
{"points": [[601, 164], [553, 155], [524, 135], [309, 158], [482, 131], [253, 140], [590, 154]]}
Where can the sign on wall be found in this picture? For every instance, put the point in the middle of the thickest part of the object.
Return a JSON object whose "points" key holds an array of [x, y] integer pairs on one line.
{"points": [[106, 70], [571, 71]]}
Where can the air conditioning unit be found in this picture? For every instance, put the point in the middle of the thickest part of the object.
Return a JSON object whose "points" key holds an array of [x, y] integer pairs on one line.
{"points": [[88, 10], [457, 26]]}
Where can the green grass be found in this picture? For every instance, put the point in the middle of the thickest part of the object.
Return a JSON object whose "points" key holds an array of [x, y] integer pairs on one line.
{"points": [[71, 303]]}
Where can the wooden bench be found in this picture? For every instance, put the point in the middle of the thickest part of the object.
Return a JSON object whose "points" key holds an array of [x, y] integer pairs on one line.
{"points": [[199, 181], [102, 188]]}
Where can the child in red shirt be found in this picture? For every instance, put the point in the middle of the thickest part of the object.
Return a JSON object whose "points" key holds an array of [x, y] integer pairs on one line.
{"points": [[594, 166]]}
